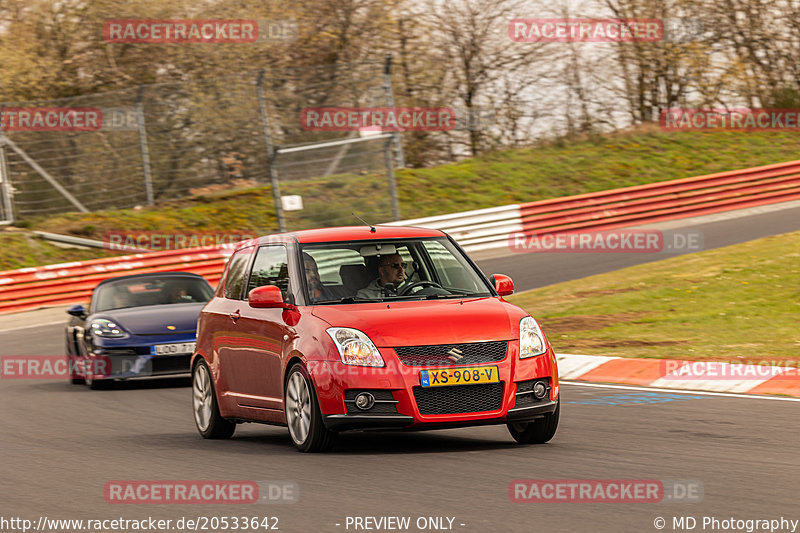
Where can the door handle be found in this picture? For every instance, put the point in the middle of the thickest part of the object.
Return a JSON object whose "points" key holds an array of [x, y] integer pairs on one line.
{"points": [[236, 315]]}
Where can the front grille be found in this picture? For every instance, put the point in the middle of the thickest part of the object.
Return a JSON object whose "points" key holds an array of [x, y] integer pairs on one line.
{"points": [[459, 399], [452, 354], [171, 364]]}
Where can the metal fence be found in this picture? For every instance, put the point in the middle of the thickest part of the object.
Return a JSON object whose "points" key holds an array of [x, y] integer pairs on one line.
{"points": [[172, 140]]}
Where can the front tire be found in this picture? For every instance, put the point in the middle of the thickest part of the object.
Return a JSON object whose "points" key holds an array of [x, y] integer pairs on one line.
{"points": [[74, 378], [207, 418], [539, 431], [303, 415], [94, 384]]}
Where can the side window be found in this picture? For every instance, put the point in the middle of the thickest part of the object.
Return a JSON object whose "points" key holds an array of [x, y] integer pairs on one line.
{"points": [[237, 272], [270, 268], [452, 273]]}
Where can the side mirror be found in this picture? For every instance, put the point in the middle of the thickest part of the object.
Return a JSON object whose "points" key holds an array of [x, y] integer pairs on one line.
{"points": [[77, 311], [267, 296], [502, 284]]}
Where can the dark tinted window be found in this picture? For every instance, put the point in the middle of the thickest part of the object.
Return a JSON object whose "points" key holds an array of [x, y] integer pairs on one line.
{"points": [[151, 290], [270, 268], [237, 273]]}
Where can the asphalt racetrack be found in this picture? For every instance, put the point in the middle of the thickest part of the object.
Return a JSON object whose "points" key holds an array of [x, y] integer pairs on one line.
{"points": [[62, 443]]}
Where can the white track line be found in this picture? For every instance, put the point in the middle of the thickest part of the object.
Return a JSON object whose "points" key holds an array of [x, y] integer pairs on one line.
{"points": [[680, 391], [62, 322]]}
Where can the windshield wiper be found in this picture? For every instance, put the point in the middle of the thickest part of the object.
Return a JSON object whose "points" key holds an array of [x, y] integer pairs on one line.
{"points": [[348, 300], [465, 295]]}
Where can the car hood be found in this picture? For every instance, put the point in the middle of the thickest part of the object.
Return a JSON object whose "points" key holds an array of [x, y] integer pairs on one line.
{"points": [[155, 319], [424, 322]]}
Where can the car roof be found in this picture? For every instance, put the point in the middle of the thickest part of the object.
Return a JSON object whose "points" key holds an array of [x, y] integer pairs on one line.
{"points": [[346, 233], [152, 275]]}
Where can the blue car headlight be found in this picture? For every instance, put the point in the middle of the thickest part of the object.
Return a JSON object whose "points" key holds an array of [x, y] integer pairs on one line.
{"points": [[106, 328]]}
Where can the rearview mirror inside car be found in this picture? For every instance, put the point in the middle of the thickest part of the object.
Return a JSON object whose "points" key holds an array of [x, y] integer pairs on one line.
{"points": [[373, 250]]}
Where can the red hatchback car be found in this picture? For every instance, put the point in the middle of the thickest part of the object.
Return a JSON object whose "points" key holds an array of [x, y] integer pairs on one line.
{"points": [[354, 328]]}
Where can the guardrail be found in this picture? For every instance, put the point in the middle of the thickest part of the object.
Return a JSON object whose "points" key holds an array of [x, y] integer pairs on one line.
{"points": [[486, 229], [481, 229], [66, 283]]}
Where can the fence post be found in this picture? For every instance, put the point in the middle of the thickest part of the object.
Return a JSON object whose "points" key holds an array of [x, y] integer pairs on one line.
{"points": [[387, 85], [273, 173], [387, 152], [5, 189], [148, 181]]}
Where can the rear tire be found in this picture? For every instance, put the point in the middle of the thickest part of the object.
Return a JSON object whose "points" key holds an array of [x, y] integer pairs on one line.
{"points": [[207, 418], [303, 416], [539, 431]]}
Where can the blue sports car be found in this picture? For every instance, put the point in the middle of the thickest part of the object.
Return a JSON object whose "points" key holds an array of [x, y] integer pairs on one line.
{"points": [[138, 326]]}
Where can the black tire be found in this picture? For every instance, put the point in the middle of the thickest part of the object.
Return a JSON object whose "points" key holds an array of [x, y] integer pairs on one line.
{"points": [[96, 384], [207, 419], [316, 437], [539, 431], [72, 378]]}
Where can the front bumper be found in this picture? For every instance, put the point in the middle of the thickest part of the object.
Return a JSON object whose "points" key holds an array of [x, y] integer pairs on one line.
{"points": [[513, 416], [130, 363], [406, 404]]}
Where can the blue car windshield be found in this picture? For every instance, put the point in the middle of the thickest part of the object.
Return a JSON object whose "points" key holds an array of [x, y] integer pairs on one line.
{"points": [[151, 291]]}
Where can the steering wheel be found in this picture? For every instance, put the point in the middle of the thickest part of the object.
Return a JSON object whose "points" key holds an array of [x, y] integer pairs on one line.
{"points": [[424, 283]]}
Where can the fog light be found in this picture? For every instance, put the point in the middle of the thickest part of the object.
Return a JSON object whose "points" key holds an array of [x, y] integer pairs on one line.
{"points": [[365, 401], [539, 389]]}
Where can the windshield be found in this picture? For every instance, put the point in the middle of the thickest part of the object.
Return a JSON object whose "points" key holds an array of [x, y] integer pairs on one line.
{"points": [[362, 271], [152, 291]]}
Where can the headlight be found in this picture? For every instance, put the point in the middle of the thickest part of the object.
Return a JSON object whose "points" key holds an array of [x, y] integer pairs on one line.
{"points": [[531, 338], [106, 328], [355, 348]]}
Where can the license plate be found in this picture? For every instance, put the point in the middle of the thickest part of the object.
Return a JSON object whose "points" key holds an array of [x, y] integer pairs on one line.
{"points": [[180, 348], [459, 376]]}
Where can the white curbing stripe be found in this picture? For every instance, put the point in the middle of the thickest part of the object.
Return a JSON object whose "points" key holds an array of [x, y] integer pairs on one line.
{"points": [[715, 369], [571, 366]]}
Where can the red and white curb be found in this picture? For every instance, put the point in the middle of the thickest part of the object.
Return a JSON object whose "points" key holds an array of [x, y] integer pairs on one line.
{"points": [[709, 376]]}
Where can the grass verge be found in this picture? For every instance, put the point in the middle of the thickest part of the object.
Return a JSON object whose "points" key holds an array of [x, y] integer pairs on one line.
{"points": [[741, 302]]}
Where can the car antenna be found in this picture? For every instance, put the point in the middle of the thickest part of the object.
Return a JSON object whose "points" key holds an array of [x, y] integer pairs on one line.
{"points": [[371, 227]]}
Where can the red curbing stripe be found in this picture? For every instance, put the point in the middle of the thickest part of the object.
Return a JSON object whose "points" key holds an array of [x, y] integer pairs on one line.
{"points": [[630, 371], [788, 385]]}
